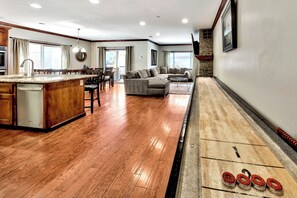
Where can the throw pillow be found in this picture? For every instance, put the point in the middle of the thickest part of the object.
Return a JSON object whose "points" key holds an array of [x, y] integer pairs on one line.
{"points": [[163, 70], [182, 70], [154, 72], [131, 74], [174, 71], [149, 73], [158, 69], [171, 70], [143, 73], [177, 71], [139, 74]]}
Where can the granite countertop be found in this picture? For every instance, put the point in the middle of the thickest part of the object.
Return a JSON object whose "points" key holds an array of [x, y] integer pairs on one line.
{"points": [[42, 78]]}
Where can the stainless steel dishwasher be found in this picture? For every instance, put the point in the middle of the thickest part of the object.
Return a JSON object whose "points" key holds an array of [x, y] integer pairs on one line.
{"points": [[30, 105]]}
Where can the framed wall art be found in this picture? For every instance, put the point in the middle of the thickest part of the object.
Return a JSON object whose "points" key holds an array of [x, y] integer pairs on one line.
{"points": [[154, 57], [229, 27]]}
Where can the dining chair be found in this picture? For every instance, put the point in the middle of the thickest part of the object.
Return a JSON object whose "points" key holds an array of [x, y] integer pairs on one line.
{"points": [[108, 76]]}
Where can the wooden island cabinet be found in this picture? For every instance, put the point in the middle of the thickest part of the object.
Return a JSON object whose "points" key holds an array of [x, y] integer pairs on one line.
{"points": [[63, 101], [7, 103], [60, 100]]}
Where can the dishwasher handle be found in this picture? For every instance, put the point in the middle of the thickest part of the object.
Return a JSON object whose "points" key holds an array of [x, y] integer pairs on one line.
{"points": [[30, 88]]}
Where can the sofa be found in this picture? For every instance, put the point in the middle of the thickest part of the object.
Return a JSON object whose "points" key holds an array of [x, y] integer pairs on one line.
{"points": [[154, 81], [175, 72]]}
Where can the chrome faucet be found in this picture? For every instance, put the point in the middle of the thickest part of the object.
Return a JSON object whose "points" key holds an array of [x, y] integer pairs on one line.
{"points": [[28, 73]]}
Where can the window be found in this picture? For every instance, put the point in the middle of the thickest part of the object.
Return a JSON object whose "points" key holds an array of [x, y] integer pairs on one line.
{"points": [[180, 59], [117, 60], [45, 56]]}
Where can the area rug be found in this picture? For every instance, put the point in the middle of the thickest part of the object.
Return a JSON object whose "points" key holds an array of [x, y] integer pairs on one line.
{"points": [[183, 88]]}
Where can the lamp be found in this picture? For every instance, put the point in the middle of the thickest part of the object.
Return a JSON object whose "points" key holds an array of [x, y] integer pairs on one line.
{"points": [[78, 48]]}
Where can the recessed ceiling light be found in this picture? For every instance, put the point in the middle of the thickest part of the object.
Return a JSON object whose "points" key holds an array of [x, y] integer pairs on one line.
{"points": [[142, 23], [158, 34], [41, 23], [94, 1], [185, 20], [35, 5]]}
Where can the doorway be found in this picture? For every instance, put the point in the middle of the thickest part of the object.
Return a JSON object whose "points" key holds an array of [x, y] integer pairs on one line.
{"points": [[116, 58]]}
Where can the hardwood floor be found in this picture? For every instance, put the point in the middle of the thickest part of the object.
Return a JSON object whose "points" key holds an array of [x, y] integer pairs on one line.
{"points": [[229, 141], [124, 149]]}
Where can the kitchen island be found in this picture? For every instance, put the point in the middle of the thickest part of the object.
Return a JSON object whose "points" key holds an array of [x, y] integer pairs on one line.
{"points": [[42, 101]]}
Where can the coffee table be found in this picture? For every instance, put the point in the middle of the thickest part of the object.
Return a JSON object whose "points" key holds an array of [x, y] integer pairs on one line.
{"points": [[178, 79]]}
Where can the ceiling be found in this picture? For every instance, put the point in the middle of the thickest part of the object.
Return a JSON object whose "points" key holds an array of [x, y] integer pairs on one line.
{"points": [[115, 19]]}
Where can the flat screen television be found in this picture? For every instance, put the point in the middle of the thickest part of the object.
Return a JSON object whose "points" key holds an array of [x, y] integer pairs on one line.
{"points": [[195, 45]]}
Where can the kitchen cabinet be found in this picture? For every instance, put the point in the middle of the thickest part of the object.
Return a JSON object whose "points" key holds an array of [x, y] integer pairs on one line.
{"points": [[7, 103], [4, 36], [42, 102]]}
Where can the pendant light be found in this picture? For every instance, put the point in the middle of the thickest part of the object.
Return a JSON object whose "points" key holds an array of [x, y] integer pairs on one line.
{"points": [[78, 48]]}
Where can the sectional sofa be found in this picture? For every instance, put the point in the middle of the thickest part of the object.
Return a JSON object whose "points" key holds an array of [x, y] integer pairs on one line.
{"points": [[154, 81]]}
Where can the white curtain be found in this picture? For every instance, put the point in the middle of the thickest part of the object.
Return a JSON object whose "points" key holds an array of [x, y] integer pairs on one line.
{"points": [[129, 58], [101, 57], [20, 53], [166, 58], [65, 56]]}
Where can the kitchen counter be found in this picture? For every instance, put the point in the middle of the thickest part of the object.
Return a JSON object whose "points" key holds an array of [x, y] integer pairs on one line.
{"points": [[42, 78], [42, 101]]}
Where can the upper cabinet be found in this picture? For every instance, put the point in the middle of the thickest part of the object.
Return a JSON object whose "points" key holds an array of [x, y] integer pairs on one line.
{"points": [[4, 36]]}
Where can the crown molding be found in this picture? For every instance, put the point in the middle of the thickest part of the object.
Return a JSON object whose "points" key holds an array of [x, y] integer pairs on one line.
{"points": [[10, 25], [179, 44], [220, 10], [153, 42], [120, 40]]}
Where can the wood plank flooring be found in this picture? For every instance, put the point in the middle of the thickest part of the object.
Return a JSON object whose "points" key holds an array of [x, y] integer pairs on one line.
{"points": [[124, 149], [229, 142]]}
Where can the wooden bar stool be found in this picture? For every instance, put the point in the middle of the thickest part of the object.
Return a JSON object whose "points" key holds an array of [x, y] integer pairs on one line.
{"points": [[92, 85], [91, 89]]}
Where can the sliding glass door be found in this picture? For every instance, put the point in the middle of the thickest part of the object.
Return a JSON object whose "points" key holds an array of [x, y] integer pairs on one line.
{"points": [[117, 59]]}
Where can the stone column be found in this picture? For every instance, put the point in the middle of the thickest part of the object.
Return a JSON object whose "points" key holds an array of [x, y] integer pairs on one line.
{"points": [[205, 53]]}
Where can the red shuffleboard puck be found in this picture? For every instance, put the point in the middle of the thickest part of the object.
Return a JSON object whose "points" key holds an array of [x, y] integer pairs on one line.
{"points": [[228, 180], [275, 186], [243, 182], [258, 182]]}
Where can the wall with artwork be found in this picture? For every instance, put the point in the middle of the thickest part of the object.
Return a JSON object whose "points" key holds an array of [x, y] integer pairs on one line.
{"points": [[152, 54], [262, 69]]}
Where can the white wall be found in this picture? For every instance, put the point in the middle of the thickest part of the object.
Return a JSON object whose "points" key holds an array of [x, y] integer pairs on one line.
{"points": [[139, 58], [262, 70], [26, 34]]}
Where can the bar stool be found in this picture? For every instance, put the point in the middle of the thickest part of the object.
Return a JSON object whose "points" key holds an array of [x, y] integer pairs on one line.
{"points": [[91, 89], [92, 85]]}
